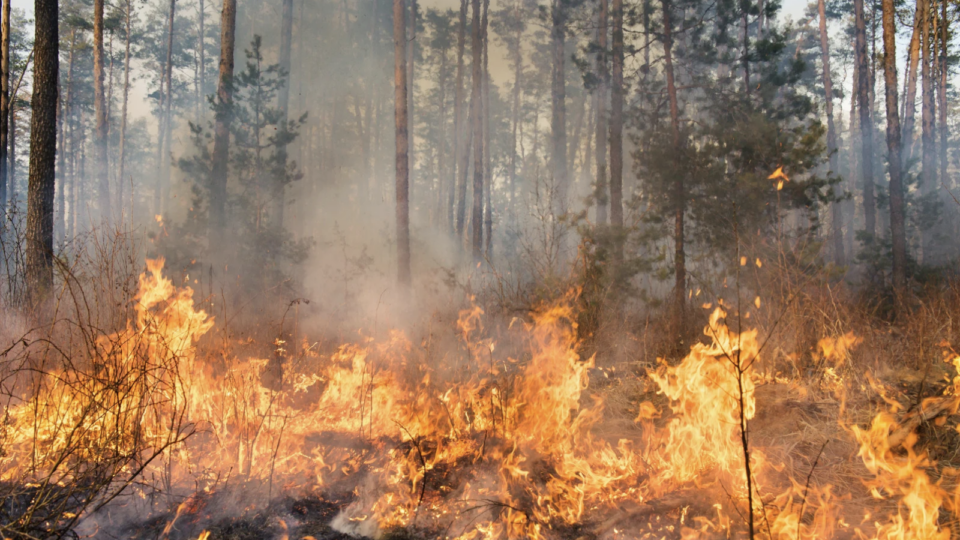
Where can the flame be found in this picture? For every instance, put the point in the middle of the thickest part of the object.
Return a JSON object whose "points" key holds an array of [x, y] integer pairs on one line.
{"points": [[496, 441]]}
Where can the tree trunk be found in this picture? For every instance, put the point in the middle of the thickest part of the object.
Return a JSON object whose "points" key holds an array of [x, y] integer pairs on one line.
{"points": [[283, 99], [616, 119], [476, 119], [929, 158], [442, 186], [942, 93], [679, 192], [558, 95], [601, 103], [457, 121], [402, 143], [897, 227], [517, 54], [100, 113], [866, 123], [487, 170], [224, 115], [465, 136], [43, 151], [836, 222], [411, 52], [910, 94], [12, 177], [4, 105], [63, 119], [164, 186], [122, 152]]}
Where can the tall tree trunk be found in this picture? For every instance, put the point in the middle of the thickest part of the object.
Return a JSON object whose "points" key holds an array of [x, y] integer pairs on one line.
{"points": [[283, 99], [457, 119], [411, 55], [63, 119], [616, 119], [910, 94], [866, 122], [122, 152], [464, 133], [100, 113], [439, 214], [487, 170], [894, 159], [402, 144], [12, 177], [43, 151], [601, 103], [476, 114], [929, 158], [942, 92], [517, 54], [164, 185], [679, 192], [224, 115], [558, 100], [836, 222], [4, 104]]}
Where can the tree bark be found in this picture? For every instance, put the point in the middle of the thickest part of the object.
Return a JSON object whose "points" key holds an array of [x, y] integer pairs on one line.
{"points": [[4, 103], [929, 157], [63, 119], [679, 192], [411, 47], [897, 226], [558, 94], [224, 115], [11, 199], [616, 119], [164, 186], [463, 136], [836, 222], [201, 45], [402, 144], [457, 120], [122, 151], [476, 114], [910, 94], [441, 156], [517, 54], [866, 122], [487, 170], [942, 93], [283, 99], [43, 151], [601, 128], [100, 113]]}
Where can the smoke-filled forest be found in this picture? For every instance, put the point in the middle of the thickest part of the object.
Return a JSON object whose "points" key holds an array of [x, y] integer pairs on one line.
{"points": [[479, 270]]}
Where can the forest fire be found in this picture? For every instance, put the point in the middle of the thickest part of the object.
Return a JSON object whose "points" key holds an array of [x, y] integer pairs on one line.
{"points": [[493, 442]]}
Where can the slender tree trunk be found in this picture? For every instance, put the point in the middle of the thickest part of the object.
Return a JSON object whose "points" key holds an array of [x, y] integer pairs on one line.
{"points": [[283, 99], [402, 144], [910, 94], [100, 113], [487, 170], [4, 104], [942, 93], [679, 192], [476, 116], [63, 119], [411, 72], [616, 119], [836, 222], [43, 151], [462, 136], [224, 115], [929, 158], [164, 186], [122, 152], [439, 214], [558, 95], [601, 103], [897, 227], [517, 54], [12, 179], [866, 123]]}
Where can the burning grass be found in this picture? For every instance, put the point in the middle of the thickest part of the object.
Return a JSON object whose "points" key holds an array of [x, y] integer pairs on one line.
{"points": [[502, 430]]}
